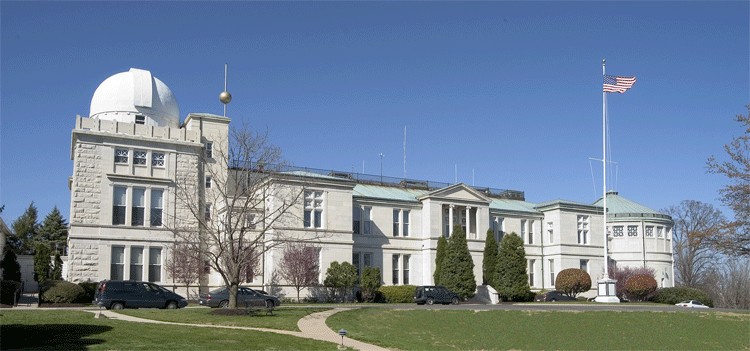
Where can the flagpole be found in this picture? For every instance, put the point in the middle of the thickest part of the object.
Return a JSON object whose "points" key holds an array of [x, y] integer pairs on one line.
{"points": [[604, 170]]}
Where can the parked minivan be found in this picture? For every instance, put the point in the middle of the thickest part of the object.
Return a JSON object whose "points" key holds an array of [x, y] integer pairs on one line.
{"points": [[119, 294], [434, 294]]}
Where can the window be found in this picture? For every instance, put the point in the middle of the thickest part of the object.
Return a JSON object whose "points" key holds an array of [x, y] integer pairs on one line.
{"points": [[632, 230], [659, 232], [396, 221], [117, 269], [617, 231], [406, 268], [406, 214], [119, 201], [356, 218], [136, 263], [394, 262], [523, 229], [314, 209], [552, 272], [208, 182], [157, 197], [497, 225], [138, 210], [367, 220], [154, 264], [356, 263], [207, 212], [250, 221], [583, 230], [121, 155], [157, 159], [531, 272], [584, 265], [209, 149], [650, 232], [361, 260], [139, 157], [140, 119], [400, 222], [550, 233]]}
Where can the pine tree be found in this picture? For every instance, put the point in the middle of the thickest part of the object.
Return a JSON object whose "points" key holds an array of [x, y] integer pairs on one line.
{"points": [[513, 281], [57, 268], [10, 266], [42, 267], [457, 272], [25, 230], [442, 245], [489, 261], [54, 230]]}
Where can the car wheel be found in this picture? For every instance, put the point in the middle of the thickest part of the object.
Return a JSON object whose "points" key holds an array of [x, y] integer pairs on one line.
{"points": [[117, 306], [269, 303], [553, 300], [224, 304], [171, 305], [454, 301], [430, 301]]}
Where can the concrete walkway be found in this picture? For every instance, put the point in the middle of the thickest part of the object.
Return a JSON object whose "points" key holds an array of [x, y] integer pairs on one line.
{"points": [[312, 326]]}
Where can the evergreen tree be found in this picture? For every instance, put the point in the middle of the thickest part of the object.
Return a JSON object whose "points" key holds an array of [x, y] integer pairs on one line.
{"points": [[489, 261], [513, 280], [370, 283], [442, 245], [25, 230], [57, 268], [42, 266], [457, 272], [340, 278], [10, 266], [54, 230]]}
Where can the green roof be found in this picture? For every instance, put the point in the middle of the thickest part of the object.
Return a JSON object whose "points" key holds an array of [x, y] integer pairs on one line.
{"points": [[618, 206], [512, 205], [388, 192]]}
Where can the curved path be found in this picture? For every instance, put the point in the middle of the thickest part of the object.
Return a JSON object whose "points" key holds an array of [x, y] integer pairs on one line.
{"points": [[312, 326]]}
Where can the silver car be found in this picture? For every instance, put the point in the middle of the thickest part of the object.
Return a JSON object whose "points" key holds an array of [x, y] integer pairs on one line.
{"points": [[245, 297]]}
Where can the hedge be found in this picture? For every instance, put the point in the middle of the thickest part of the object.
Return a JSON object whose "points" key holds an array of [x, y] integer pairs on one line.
{"points": [[60, 291], [573, 281], [672, 296], [398, 293], [89, 289], [9, 289], [639, 286]]}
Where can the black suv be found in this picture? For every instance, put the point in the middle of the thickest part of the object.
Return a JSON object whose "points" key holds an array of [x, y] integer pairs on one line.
{"points": [[434, 294], [119, 294]]}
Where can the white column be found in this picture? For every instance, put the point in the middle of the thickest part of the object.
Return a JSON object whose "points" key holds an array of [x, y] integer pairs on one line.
{"points": [[450, 219], [476, 221], [468, 220]]}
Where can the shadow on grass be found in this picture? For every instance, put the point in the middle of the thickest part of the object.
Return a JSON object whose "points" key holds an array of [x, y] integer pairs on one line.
{"points": [[50, 336]]}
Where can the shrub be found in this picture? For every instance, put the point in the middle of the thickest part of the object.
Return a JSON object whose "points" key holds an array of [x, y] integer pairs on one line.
{"points": [[59, 291], [622, 274], [370, 282], [9, 289], [639, 286], [398, 293], [513, 281], [457, 272], [89, 289], [10, 267], [573, 281], [672, 296]]}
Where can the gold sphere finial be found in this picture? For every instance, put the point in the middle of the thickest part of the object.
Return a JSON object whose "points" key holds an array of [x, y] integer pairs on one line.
{"points": [[225, 97]]}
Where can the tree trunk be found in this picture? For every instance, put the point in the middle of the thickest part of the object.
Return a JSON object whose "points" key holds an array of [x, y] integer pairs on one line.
{"points": [[233, 294]]}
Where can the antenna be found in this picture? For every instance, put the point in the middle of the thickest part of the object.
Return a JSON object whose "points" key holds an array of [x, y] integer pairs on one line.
{"points": [[455, 173], [225, 97], [404, 152]]}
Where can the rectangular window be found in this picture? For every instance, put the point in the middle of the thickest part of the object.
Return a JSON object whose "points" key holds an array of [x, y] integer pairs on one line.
{"points": [[552, 272], [313, 209], [157, 197], [139, 157], [367, 220], [208, 182], [367, 259], [498, 229], [119, 203], [209, 149], [396, 221], [632, 230], [207, 212], [406, 269], [585, 265], [617, 231], [531, 272], [405, 224], [356, 218], [140, 119], [157, 159], [523, 228], [117, 268], [550, 233], [394, 262], [121, 155], [356, 264], [136, 263], [649, 232], [154, 264], [138, 210], [583, 230], [659, 232]]}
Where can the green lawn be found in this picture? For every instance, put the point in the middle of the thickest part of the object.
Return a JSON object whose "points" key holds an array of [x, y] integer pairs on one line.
{"points": [[527, 330], [78, 330], [282, 318]]}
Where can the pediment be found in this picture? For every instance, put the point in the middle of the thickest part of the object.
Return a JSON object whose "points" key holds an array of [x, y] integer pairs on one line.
{"points": [[457, 193]]}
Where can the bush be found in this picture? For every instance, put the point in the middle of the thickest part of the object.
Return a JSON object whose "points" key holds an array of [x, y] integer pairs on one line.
{"points": [[370, 283], [398, 293], [9, 289], [573, 281], [89, 289], [672, 296], [639, 286], [60, 291]]}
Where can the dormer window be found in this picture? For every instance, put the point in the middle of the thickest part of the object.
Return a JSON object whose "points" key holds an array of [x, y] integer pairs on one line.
{"points": [[140, 119]]}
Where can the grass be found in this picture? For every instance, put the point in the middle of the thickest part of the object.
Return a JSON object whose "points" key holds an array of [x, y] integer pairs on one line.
{"points": [[282, 318], [527, 330], [78, 330]]}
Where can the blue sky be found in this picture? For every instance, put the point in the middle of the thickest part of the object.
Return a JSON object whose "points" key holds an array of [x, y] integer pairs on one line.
{"points": [[507, 91]]}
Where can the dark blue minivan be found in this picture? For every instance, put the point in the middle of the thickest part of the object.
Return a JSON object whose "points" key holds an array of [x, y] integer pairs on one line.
{"points": [[119, 294]]}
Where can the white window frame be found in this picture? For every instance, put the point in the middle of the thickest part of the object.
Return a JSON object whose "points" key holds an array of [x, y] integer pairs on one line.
{"points": [[209, 149], [550, 233], [158, 159], [208, 182], [366, 220], [136, 266], [119, 264], [140, 158], [138, 206], [633, 231], [314, 205], [618, 231], [649, 231], [156, 207], [530, 267], [154, 264], [356, 220], [584, 229], [122, 155], [551, 272]]}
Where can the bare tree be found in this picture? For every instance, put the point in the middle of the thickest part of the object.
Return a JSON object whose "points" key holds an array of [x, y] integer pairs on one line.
{"points": [[728, 283], [242, 210], [736, 195], [299, 265], [184, 265], [696, 225]]}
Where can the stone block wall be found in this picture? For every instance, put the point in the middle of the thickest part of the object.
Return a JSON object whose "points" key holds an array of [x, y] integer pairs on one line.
{"points": [[86, 197]]}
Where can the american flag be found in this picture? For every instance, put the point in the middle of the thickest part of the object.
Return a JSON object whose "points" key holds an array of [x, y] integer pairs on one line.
{"points": [[616, 84]]}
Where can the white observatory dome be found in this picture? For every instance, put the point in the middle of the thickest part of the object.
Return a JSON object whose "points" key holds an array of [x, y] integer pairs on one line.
{"points": [[126, 95]]}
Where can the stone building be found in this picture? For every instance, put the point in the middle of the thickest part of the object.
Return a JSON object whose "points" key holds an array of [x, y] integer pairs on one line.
{"points": [[131, 150]]}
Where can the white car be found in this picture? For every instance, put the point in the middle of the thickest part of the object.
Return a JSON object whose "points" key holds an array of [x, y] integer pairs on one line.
{"points": [[691, 304]]}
